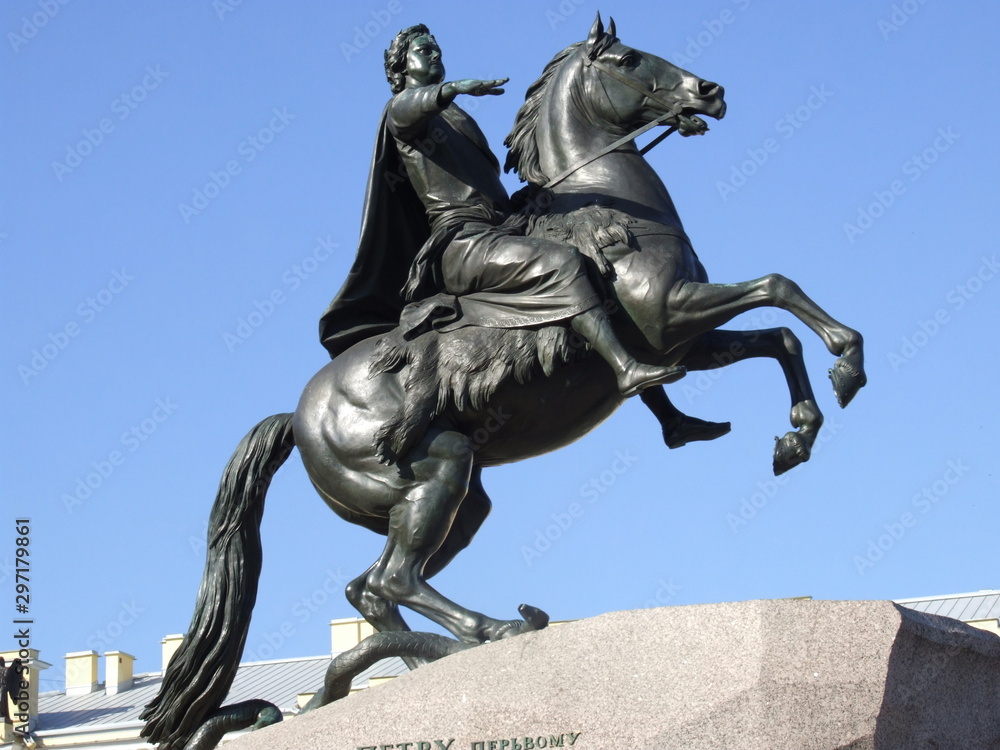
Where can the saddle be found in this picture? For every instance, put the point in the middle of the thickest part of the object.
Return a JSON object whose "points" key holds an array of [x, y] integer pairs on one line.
{"points": [[462, 367]]}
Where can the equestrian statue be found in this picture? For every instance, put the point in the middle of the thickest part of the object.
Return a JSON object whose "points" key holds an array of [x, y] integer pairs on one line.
{"points": [[476, 329]]}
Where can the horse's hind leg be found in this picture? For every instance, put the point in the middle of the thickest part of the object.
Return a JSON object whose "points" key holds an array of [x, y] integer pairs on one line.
{"points": [[385, 615], [696, 308], [721, 347], [419, 527], [471, 513], [381, 614]]}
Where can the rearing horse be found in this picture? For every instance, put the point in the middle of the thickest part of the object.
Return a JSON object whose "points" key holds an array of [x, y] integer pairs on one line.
{"points": [[430, 502]]}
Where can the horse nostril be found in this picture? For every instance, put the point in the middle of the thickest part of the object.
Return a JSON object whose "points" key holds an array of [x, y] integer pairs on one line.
{"points": [[707, 88]]}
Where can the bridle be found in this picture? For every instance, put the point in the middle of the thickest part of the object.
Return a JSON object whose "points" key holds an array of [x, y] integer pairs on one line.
{"points": [[673, 112]]}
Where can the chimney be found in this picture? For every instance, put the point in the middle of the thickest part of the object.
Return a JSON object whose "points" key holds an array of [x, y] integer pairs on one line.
{"points": [[302, 699], [24, 705], [81, 673], [117, 672], [347, 633], [170, 645]]}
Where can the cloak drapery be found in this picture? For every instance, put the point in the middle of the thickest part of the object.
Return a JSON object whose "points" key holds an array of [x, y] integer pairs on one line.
{"points": [[394, 227]]}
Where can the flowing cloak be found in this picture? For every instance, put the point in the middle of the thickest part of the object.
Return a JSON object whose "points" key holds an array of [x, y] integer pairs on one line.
{"points": [[394, 227]]}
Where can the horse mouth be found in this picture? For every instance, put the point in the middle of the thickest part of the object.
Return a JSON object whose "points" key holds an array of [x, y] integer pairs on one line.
{"points": [[691, 125], [689, 122]]}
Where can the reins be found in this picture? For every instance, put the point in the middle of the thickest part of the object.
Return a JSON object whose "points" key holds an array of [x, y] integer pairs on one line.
{"points": [[671, 113]]}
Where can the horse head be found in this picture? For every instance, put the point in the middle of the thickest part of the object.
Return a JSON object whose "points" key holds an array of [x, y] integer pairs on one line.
{"points": [[603, 88], [627, 87]]}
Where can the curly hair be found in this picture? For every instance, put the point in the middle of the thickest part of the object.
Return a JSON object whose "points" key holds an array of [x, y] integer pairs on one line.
{"points": [[395, 56]]}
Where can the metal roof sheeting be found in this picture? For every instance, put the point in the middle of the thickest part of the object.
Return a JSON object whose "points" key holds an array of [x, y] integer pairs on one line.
{"points": [[981, 605], [278, 681]]}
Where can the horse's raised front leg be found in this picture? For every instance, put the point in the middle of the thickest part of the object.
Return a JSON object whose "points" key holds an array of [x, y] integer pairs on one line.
{"points": [[695, 308], [721, 347]]}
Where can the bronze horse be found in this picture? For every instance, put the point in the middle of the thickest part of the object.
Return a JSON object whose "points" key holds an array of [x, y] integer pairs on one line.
{"points": [[430, 502]]}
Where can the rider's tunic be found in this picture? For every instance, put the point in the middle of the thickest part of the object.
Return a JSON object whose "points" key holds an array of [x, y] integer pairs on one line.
{"points": [[504, 279]]}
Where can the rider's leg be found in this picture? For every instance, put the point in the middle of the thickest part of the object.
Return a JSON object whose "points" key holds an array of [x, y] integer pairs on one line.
{"points": [[633, 377], [679, 429], [552, 280]]}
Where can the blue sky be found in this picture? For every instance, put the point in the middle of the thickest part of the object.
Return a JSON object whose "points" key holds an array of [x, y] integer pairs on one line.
{"points": [[147, 328]]}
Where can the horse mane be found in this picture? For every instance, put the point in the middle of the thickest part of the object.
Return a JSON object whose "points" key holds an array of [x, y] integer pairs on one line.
{"points": [[522, 154]]}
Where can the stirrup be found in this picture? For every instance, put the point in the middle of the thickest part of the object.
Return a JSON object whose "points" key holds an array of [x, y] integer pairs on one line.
{"points": [[646, 376]]}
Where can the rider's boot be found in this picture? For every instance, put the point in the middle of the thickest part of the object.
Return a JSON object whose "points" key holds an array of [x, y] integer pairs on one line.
{"points": [[679, 429], [632, 376]]}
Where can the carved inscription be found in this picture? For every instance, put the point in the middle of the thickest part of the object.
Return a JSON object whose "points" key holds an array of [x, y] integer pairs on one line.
{"points": [[539, 742]]}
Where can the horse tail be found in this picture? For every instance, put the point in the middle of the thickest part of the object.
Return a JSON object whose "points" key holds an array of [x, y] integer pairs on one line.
{"points": [[203, 668]]}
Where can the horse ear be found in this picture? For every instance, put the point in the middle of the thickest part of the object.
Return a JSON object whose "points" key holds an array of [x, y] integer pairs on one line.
{"points": [[594, 38], [596, 31], [611, 28]]}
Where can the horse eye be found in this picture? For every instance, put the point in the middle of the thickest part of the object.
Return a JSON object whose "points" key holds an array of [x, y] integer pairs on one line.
{"points": [[627, 61]]}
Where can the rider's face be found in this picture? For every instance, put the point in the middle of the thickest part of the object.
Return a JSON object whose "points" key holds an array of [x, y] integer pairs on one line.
{"points": [[423, 62]]}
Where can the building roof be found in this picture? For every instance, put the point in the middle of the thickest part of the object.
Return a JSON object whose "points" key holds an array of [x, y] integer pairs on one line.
{"points": [[980, 605], [278, 681]]}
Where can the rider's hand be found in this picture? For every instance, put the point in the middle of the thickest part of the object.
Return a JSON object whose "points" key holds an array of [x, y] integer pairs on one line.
{"points": [[473, 87]]}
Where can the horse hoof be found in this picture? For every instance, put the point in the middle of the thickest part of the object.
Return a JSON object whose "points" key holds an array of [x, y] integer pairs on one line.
{"points": [[535, 618], [789, 451], [847, 379]]}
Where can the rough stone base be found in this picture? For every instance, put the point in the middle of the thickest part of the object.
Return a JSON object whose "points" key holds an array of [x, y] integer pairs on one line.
{"points": [[765, 675]]}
